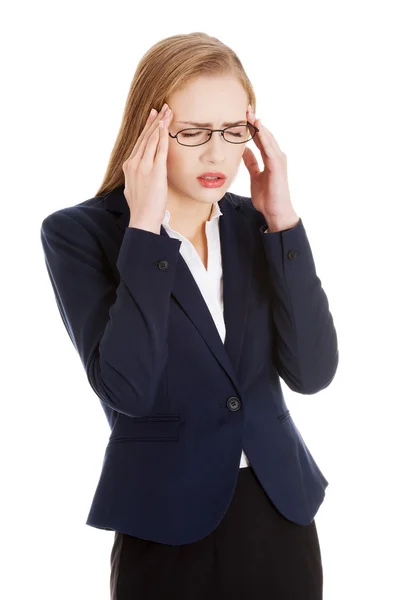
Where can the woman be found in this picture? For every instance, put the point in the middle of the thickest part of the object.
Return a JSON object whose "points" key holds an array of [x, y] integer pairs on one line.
{"points": [[186, 304]]}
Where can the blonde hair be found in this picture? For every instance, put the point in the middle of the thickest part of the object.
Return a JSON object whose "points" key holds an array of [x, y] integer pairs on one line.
{"points": [[166, 67]]}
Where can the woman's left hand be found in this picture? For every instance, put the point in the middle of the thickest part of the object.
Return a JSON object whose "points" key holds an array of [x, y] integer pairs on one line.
{"points": [[269, 188]]}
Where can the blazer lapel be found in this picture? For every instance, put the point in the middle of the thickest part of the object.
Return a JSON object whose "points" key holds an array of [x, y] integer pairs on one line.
{"points": [[237, 253]]}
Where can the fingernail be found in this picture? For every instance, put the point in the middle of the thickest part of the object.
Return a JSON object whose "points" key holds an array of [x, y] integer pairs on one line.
{"points": [[152, 112]]}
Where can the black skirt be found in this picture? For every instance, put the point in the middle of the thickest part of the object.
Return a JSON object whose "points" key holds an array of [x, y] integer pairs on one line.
{"points": [[255, 553]]}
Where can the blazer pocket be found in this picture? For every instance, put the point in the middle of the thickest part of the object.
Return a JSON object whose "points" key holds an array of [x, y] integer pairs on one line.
{"points": [[150, 428]]}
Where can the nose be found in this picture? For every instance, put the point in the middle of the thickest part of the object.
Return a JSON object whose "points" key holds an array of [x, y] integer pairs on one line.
{"points": [[215, 145]]}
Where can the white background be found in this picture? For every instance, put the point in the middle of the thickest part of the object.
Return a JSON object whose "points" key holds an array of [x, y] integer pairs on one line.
{"points": [[326, 78]]}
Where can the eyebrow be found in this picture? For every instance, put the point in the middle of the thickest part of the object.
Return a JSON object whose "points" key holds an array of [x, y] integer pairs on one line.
{"points": [[210, 124]]}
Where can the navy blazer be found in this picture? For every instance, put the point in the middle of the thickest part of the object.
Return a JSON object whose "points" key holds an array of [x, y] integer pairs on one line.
{"points": [[181, 404]]}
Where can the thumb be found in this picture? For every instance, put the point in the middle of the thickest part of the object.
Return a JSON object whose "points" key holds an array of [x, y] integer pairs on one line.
{"points": [[250, 161]]}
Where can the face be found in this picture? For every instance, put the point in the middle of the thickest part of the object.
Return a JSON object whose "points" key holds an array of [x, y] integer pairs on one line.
{"points": [[205, 100]]}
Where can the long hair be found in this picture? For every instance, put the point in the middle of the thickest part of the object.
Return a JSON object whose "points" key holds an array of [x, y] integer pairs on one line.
{"points": [[166, 67]]}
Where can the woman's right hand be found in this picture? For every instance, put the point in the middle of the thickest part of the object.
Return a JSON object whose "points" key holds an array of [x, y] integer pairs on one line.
{"points": [[145, 171]]}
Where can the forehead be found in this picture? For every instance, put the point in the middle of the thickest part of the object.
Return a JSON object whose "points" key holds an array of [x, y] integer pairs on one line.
{"points": [[208, 124], [204, 98]]}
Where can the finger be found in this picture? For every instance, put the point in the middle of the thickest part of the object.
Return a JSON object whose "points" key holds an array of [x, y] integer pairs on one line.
{"points": [[162, 150], [251, 162], [270, 138], [148, 130], [147, 161], [155, 145], [153, 127], [150, 119], [147, 140], [264, 139]]}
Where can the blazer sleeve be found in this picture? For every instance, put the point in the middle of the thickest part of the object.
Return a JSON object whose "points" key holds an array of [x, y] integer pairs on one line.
{"points": [[118, 329], [307, 345]]}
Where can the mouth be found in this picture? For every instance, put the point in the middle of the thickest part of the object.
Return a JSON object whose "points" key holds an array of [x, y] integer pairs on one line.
{"points": [[212, 176], [211, 183]]}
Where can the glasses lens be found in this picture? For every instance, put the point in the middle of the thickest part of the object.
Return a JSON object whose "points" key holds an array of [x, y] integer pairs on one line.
{"points": [[193, 137], [238, 134], [235, 135]]}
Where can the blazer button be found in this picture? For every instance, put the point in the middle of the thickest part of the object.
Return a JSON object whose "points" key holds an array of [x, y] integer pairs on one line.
{"points": [[233, 403], [292, 254], [163, 264]]}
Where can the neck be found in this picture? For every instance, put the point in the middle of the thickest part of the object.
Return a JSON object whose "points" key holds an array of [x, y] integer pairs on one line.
{"points": [[189, 219]]}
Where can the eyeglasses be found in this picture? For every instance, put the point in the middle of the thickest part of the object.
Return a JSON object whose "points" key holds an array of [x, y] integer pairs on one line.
{"points": [[196, 136]]}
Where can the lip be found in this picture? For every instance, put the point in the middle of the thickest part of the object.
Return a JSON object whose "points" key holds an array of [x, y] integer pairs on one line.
{"points": [[211, 183], [212, 174]]}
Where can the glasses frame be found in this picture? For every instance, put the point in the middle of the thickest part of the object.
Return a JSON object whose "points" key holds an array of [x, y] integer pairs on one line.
{"points": [[211, 132]]}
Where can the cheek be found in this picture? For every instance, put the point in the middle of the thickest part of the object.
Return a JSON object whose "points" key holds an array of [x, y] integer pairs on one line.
{"points": [[173, 159], [177, 159], [177, 166]]}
